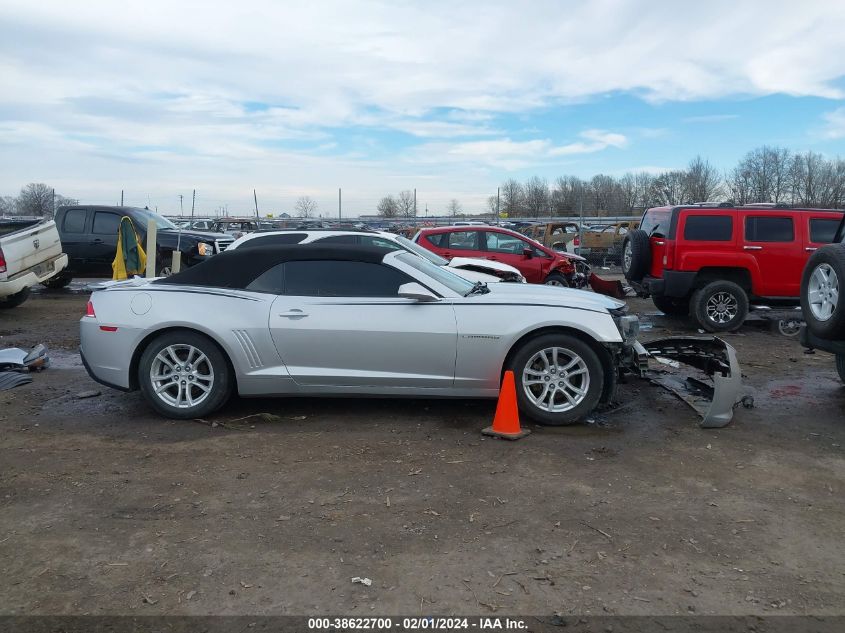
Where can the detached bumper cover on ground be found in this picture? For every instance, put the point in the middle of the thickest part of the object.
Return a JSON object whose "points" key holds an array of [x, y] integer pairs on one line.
{"points": [[713, 358]]}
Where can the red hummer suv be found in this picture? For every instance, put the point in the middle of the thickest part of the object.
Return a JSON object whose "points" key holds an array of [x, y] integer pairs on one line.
{"points": [[711, 260]]}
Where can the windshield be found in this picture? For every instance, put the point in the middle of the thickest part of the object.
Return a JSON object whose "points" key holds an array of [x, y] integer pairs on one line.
{"points": [[439, 273], [422, 252], [161, 222]]}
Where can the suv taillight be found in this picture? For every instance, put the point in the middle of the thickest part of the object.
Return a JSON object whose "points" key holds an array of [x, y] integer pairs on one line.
{"points": [[577, 241], [89, 310], [669, 255], [2, 262]]}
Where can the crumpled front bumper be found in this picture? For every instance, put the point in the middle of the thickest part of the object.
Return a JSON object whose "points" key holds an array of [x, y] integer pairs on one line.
{"points": [[660, 361]]}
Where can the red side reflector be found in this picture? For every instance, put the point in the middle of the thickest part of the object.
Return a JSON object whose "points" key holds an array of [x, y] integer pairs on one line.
{"points": [[108, 328], [89, 310]]}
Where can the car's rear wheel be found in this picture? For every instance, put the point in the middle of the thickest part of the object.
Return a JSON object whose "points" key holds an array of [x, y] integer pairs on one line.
{"points": [[559, 379], [720, 306], [636, 255], [556, 279], [58, 281], [671, 306], [13, 301], [840, 366], [184, 375], [821, 288]]}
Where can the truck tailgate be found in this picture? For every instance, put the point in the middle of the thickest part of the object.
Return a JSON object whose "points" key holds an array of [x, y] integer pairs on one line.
{"points": [[29, 247]]}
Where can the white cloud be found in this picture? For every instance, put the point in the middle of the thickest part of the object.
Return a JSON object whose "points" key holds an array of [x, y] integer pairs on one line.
{"points": [[171, 85], [834, 124]]}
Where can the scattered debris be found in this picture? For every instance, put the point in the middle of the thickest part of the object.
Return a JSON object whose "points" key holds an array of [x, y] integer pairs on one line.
{"points": [[16, 359], [602, 532], [12, 379], [92, 393], [362, 581]]}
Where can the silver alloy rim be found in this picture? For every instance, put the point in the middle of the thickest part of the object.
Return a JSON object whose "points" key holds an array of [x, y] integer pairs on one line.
{"points": [[554, 282], [165, 272], [823, 292], [722, 307], [627, 256], [556, 379], [182, 376]]}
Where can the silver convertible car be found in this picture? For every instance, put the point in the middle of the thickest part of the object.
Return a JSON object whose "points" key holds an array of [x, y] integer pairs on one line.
{"points": [[343, 321]]}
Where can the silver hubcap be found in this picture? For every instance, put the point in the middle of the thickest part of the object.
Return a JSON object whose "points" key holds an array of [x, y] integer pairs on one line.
{"points": [[627, 256], [823, 292], [722, 307], [165, 272], [182, 376], [556, 379], [553, 282]]}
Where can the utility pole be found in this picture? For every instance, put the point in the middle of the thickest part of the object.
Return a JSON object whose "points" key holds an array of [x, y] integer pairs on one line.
{"points": [[193, 204], [53, 202], [339, 206], [180, 205], [121, 197], [255, 197], [498, 219], [415, 206]]}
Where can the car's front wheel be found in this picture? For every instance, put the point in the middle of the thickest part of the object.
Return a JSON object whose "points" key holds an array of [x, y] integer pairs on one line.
{"points": [[184, 375], [559, 379], [556, 279]]}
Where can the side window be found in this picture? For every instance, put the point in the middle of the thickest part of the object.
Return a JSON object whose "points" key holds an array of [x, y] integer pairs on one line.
{"points": [[106, 223], [504, 243], [342, 279], [271, 281], [822, 230], [378, 242], [440, 240], [708, 228], [74, 221], [464, 240], [338, 239], [274, 240], [769, 229]]}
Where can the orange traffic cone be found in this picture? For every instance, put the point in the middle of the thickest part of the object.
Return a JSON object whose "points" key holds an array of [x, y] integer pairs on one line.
{"points": [[506, 422]]}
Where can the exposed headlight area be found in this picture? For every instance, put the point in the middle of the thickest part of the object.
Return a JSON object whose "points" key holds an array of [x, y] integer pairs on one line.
{"points": [[205, 249], [628, 324]]}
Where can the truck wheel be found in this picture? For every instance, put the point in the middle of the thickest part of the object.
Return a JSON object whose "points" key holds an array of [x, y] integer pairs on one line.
{"points": [[13, 301], [636, 255], [59, 281], [183, 375], [671, 306], [840, 366], [559, 379], [721, 306], [821, 287]]}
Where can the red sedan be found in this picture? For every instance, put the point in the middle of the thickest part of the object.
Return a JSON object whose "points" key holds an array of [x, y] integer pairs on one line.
{"points": [[538, 264]]}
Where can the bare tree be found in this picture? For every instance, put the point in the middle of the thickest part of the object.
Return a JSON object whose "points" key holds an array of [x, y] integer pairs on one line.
{"points": [[512, 198], [388, 207], [669, 188], [535, 193], [454, 207], [703, 182], [603, 190], [493, 205], [306, 207], [36, 198], [567, 196], [8, 205], [406, 205]]}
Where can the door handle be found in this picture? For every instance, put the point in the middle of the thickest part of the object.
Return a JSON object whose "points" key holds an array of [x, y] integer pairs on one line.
{"points": [[753, 248], [293, 314], [810, 249], [96, 241]]}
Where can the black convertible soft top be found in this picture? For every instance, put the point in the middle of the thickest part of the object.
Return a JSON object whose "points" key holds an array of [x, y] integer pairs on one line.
{"points": [[240, 267]]}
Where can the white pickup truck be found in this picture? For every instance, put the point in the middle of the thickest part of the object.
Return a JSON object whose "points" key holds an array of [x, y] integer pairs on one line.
{"points": [[30, 254]]}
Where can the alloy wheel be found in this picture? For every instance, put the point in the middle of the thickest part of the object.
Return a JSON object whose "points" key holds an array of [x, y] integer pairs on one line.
{"points": [[823, 292], [722, 307], [556, 379], [182, 376], [627, 256]]}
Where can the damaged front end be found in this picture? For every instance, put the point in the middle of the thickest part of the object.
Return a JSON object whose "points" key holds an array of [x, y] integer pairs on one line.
{"points": [[716, 389]]}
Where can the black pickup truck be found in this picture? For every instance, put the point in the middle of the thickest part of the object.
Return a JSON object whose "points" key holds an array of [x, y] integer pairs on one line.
{"points": [[89, 238]]}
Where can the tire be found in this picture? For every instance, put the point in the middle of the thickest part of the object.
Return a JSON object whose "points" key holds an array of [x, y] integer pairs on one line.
{"points": [[636, 255], [721, 306], [13, 301], [840, 366], [671, 306], [822, 285], [58, 281], [212, 372], [556, 279], [527, 365]]}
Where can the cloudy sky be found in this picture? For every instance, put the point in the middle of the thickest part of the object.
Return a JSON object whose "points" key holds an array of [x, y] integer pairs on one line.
{"points": [[451, 98]]}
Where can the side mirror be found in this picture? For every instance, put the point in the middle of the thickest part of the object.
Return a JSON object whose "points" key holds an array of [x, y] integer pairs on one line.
{"points": [[528, 253], [416, 292]]}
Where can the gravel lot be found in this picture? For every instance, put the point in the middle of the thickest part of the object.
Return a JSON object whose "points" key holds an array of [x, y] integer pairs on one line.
{"points": [[107, 509]]}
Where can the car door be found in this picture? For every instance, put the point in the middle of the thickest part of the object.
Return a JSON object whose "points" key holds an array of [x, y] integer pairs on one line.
{"points": [[342, 324], [461, 243], [102, 245], [75, 238], [774, 242], [510, 249]]}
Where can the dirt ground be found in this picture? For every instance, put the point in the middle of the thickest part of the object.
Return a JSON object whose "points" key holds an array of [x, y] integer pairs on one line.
{"points": [[106, 508]]}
